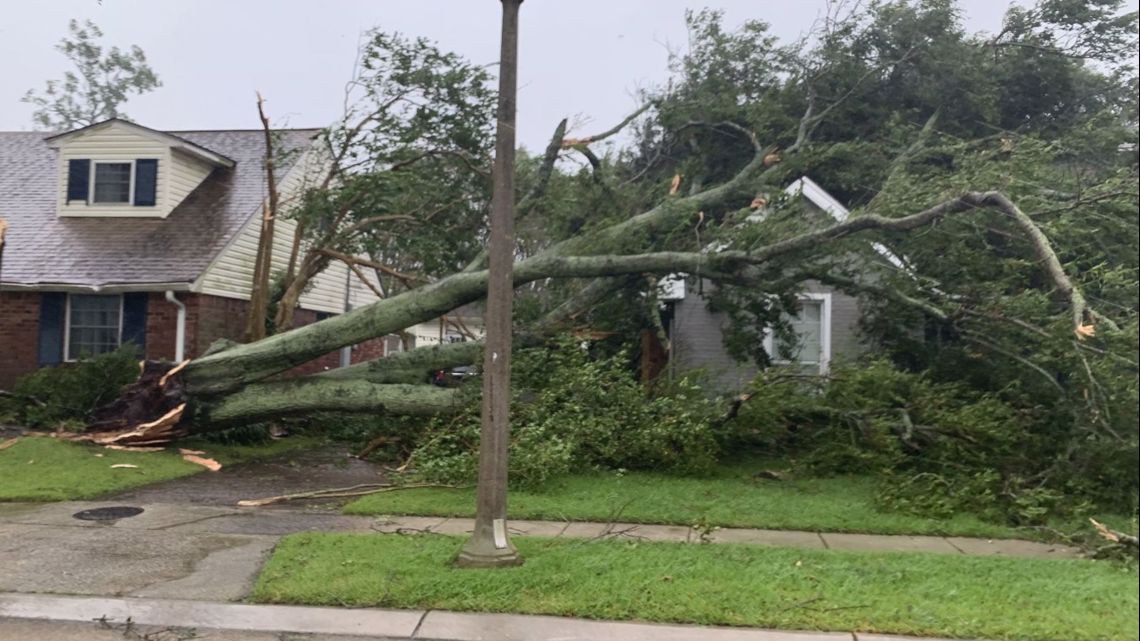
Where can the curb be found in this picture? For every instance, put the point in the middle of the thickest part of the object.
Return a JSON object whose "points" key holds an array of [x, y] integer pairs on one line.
{"points": [[433, 625]]}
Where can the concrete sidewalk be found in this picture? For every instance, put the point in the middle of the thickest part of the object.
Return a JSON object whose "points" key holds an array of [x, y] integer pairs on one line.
{"points": [[30, 615], [198, 519], [173, 566], [216, 553]]}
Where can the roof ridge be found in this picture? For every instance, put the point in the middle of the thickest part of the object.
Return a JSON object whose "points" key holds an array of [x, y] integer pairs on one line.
{"points": [[243, 130]]}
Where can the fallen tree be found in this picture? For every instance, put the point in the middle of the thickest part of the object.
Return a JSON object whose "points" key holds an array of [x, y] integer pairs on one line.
{"points": [[236, 383], [700, 196]]}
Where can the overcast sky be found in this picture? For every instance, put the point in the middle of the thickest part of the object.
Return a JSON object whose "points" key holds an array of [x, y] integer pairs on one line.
{"points": [[579, 58]]}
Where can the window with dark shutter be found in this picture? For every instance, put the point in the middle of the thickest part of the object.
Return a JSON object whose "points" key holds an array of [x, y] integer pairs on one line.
{"points": [[53, 306], [78, 176], [134, 319], [94, 324], [146, 182]]}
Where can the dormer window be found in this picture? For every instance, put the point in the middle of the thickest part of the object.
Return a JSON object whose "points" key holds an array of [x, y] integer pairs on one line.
{"points": [[116, 169], [112, 181]]}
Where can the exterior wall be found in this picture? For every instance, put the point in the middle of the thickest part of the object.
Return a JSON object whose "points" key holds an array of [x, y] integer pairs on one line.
{"points": [[231, 273], [161, 327], [208, 318], [697, 338], [119, 144], [185, 174], [19, 335], [436, 331]]}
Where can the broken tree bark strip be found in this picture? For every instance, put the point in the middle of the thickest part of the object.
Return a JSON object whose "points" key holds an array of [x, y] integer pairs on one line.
{"points": [[340, 492], [230, 369]]}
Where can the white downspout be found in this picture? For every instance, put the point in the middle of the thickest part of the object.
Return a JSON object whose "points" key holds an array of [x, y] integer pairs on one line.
{"points": [[179, 328], [346, 351]]}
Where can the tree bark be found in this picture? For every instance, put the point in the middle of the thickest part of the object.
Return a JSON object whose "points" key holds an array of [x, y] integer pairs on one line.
{"points": [[259, 288]]}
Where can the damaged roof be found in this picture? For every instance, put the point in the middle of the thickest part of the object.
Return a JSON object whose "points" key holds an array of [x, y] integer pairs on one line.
{"points": [[43, 249]]}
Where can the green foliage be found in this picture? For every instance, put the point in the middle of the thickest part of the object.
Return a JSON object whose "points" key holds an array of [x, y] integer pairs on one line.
{"points": [[940, 448], [101, 82], [66, 394], [574, 412], [409, 160]]}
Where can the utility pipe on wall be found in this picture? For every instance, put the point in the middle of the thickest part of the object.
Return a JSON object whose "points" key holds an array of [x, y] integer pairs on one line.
{"points": [[179, 328]]}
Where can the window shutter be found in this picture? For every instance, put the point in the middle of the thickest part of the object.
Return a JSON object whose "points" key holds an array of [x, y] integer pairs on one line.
{"points": [[78, 176], [53, 305], [134, 320], [146, 181]]}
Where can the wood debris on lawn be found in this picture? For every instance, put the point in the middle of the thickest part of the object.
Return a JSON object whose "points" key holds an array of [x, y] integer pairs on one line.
{"points": [[9, 443], [128, 448], [208, 463], [126, 466]]}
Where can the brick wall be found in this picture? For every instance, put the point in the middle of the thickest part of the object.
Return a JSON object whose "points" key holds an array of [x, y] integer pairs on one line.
{"points": [[161, 324], [208, 318], [19, 335]]}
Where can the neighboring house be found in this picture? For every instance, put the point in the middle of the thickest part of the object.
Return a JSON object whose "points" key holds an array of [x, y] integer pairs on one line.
{"points": [[462, 324], [826, 326], [119, 233]]}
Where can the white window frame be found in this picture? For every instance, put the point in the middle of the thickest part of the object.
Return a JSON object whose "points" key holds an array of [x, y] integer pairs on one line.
{"points": [[824, 333], [131, 186], [67, 325]]}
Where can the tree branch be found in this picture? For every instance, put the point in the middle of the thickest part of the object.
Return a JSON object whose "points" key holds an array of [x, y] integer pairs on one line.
{"points": [[573, 142]]}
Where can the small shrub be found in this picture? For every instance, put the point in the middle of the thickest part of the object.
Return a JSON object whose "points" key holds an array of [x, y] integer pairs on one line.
{"points": [[66, 394]]}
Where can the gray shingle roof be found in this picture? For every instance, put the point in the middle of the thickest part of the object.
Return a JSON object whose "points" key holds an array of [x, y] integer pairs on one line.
{"points": [[43, 249]]}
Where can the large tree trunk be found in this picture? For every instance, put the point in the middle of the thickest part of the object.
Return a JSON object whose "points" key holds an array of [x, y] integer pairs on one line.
{"points": [[229, 386]]}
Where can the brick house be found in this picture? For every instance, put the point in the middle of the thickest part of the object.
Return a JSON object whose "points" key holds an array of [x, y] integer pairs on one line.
{"points": [[119, 233]]}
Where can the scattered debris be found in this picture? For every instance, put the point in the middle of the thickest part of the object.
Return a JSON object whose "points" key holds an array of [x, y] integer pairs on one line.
{"points": [[1120, 538], [183, 450], [124, 466], [9, 443], [208, 463], [339, 492], [128, 448]]}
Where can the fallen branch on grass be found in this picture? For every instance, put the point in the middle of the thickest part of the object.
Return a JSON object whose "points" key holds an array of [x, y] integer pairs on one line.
{"points": [[1114, 536], [363, 489]]}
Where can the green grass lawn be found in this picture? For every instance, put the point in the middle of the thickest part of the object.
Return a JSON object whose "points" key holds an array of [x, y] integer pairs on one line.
{"points": [[731, 498], [900, 593], [46, 469]]}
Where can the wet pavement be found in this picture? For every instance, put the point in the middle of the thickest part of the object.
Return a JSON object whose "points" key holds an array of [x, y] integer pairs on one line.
{"points": [[319, 468]]}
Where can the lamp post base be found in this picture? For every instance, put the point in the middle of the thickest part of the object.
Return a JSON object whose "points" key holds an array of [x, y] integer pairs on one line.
{"points": [[480, 552]]}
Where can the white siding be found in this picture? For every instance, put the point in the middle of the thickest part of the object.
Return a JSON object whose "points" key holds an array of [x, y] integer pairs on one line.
{"points": [[185, 174], [231, 273], [114, 143], [436, 331]]}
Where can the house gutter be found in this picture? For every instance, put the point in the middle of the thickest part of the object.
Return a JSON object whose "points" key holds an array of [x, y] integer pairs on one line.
{"points": [[109, 288], [179, 328]]}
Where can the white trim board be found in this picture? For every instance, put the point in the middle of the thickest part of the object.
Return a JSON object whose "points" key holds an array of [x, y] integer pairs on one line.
{"points": [[824, 332]]}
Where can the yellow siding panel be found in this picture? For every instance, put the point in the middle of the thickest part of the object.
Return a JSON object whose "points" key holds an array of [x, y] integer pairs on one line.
{"points": [[113, 144]]}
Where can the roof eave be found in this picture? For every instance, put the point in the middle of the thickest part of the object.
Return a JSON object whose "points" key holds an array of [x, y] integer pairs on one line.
{"points": [[175, 142], [105, 288]]}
